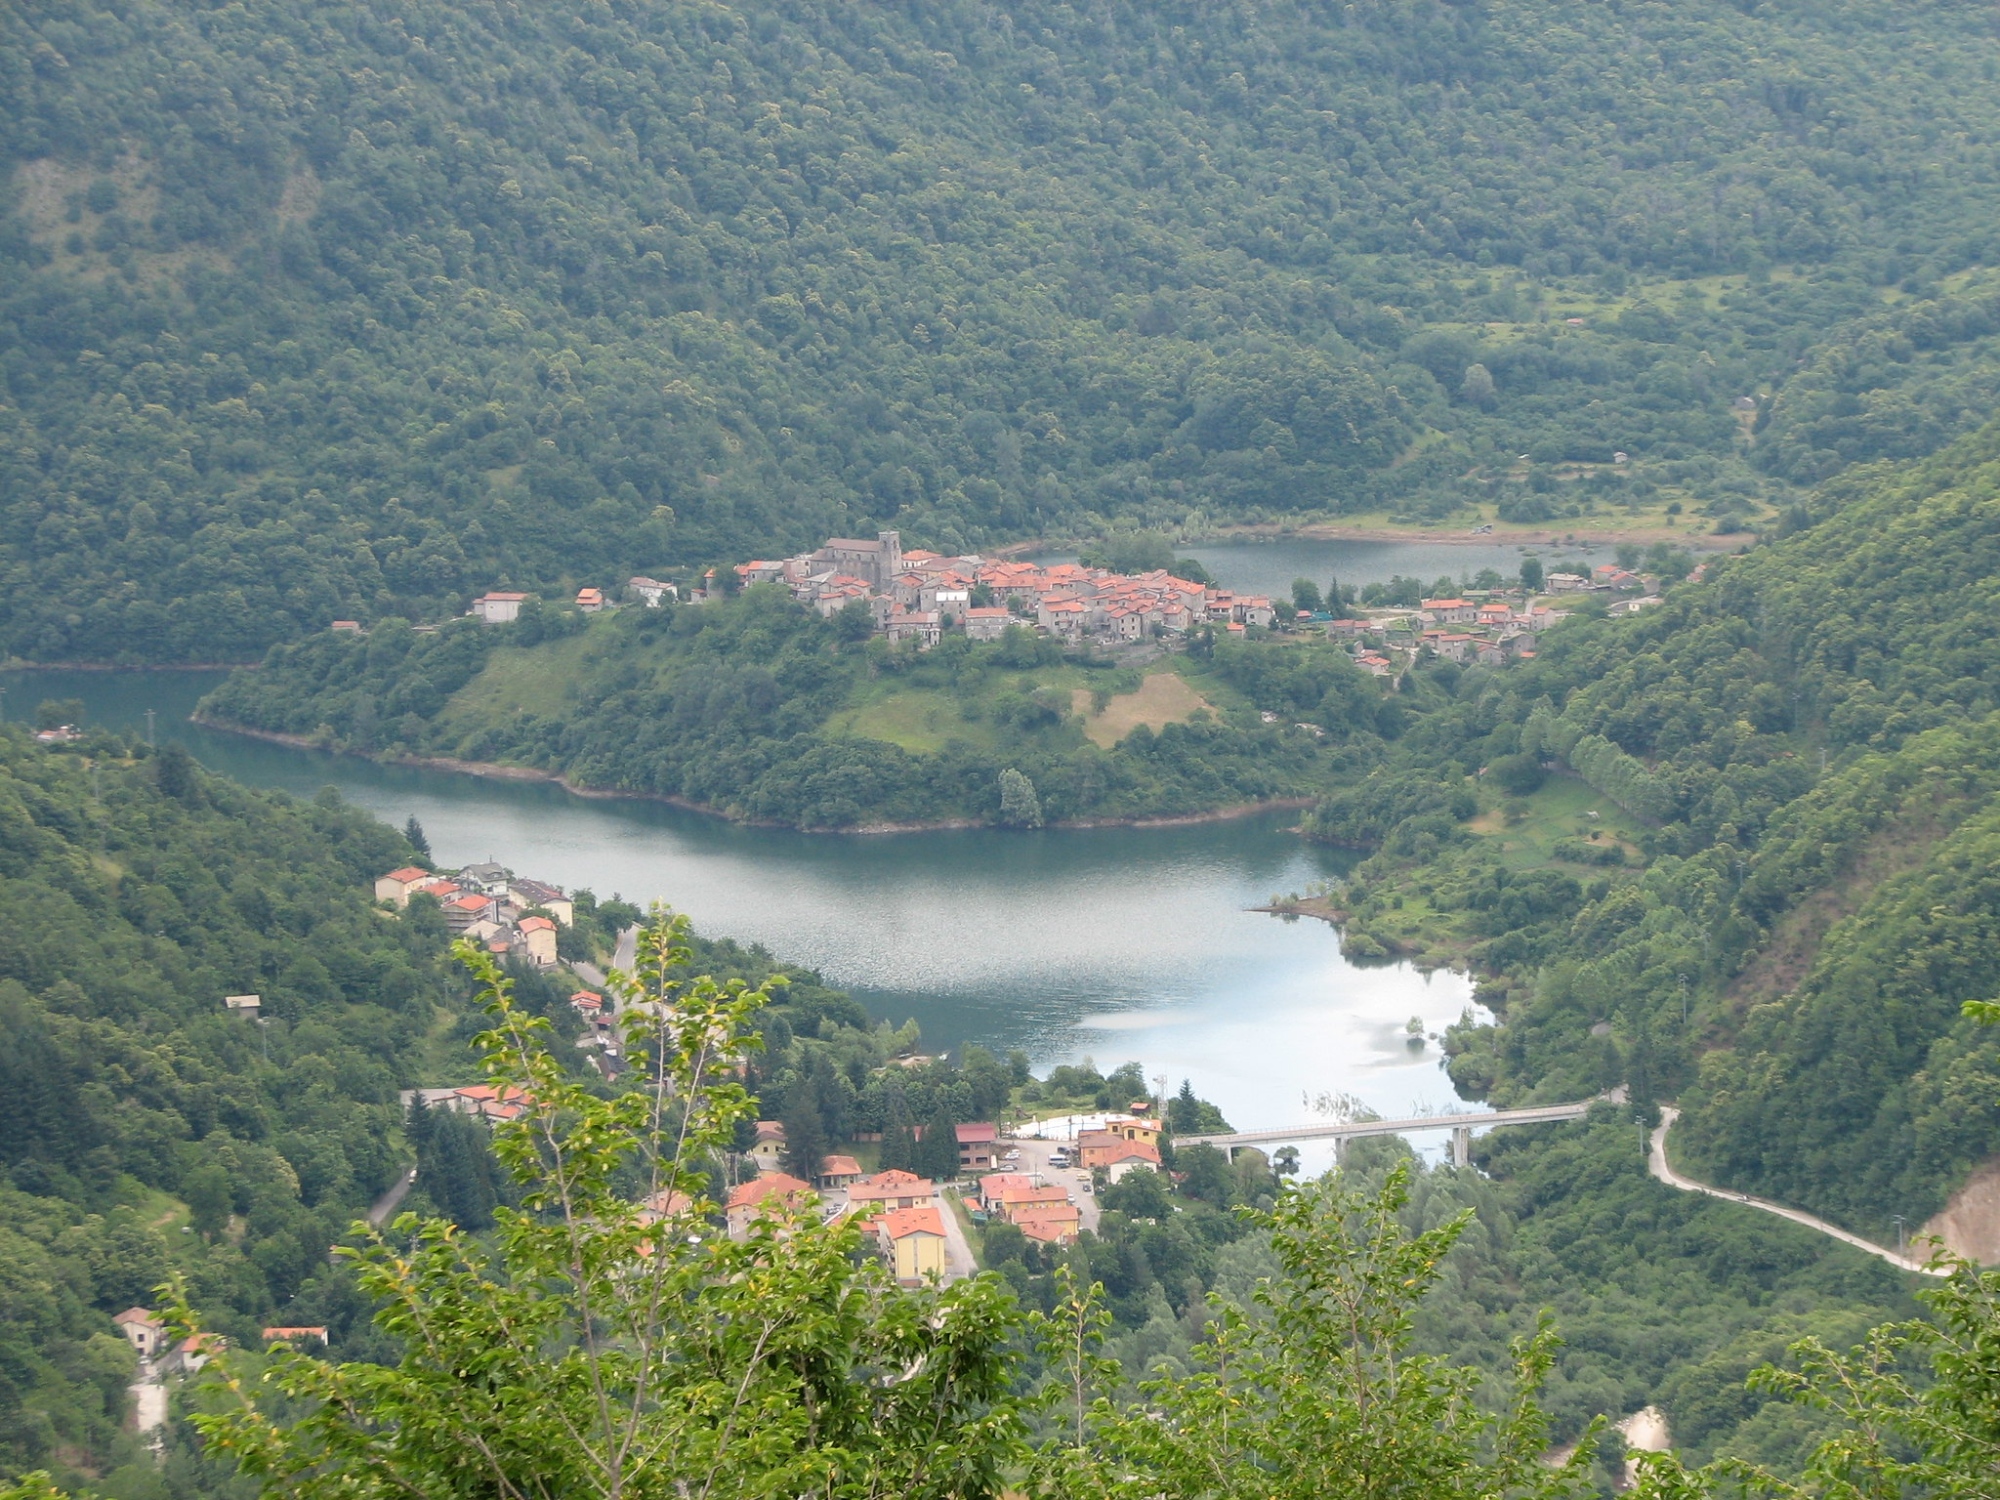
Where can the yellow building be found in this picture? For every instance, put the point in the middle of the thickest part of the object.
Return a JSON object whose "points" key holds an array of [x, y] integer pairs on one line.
{"points": [[914, 1240]]}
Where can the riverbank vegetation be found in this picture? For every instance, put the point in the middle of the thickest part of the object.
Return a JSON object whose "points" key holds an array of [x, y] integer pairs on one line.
{"points": [[322, 314], [756, 708], [1732, 851]]}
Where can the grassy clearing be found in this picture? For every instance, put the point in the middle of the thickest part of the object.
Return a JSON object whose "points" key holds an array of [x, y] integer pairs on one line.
{"points": [[522, 681], [1164, 697], [920, 720], [1525, 831]]}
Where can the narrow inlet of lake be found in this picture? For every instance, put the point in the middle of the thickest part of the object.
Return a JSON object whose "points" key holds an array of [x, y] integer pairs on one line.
{"points": [[1113, 943]]}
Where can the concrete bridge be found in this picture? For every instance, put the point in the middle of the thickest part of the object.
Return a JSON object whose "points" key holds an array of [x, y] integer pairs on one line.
{"points": [[1341, 1132]]}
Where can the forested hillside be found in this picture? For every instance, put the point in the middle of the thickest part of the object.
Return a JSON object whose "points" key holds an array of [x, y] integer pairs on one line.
{"points": [[319, 309], [1805, 752], [757, 708], [145, 1129]]}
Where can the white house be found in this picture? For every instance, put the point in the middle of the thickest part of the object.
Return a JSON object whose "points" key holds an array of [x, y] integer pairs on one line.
{"points": [[496, 608]]}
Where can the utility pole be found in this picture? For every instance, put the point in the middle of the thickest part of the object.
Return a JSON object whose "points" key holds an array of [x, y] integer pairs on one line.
{"points": [[149, 726], [1901, 1231]]}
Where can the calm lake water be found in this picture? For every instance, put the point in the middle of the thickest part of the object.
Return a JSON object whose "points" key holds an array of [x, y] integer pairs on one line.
{"points": [[1118, 944], [1270, 567]]}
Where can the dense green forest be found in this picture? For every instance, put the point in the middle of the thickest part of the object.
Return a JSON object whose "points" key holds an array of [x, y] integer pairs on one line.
{"points": [[1374, 1326], [757, 708], [148, 1131], [320, 309], [1773, 888]]}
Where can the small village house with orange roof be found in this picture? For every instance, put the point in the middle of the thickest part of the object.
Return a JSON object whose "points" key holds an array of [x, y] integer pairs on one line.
{"points": [[987, 623], [769, 1151], [539, 894], [993, 1184], [892, 1189], [305, 1334], [463, 910], [976, 1145], [1117, 1157], [767, 1194], [196, 1350], [590, 600], [913, 1242], [1133, 1128], [538, 936], [1450, 611], [839, 1171], [504, 1102], [146, 1330], [1012, 1202], [397, 884], [666, 1201], [1050, 1231]]}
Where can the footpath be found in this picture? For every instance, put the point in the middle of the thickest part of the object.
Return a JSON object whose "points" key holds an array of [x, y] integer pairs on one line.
{"points": [[1656, 1163]]}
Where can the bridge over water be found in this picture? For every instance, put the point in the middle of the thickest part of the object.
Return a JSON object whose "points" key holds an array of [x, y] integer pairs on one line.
{"points": [[1340, 1132]]}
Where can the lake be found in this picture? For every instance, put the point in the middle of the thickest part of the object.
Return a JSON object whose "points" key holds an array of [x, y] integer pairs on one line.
{"points": [[1113, 943]]}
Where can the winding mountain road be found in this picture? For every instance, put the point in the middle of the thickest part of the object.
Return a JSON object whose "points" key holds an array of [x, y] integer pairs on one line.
{"points": [[1656, 1163]]}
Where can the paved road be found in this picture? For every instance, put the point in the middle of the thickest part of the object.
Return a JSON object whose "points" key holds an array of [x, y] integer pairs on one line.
{"points": [[149, 1404], [389, 1202], [959, 1261], [1035, 1158], [1656, 1163], [622, 957]]}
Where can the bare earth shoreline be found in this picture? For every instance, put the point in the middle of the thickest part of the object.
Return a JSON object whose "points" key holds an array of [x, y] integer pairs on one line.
{"points": [[497, 772]]}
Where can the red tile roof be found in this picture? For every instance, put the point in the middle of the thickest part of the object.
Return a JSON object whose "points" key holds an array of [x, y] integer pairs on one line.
{"points": [[769, 1185], [900, 1223]]}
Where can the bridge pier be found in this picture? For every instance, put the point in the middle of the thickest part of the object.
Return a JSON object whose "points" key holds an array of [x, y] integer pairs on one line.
{"points": [[1340, 1151], [1461, 1146]]}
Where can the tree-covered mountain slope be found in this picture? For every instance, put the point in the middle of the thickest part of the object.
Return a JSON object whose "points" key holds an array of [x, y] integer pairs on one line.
{"points": [[1802, 756], [318, 309], [757, 708], [146, 1130]]}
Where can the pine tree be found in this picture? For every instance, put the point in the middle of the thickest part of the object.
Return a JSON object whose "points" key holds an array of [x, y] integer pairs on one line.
{"points": [[414, 832], [805, 1131], [939, 1153], [899, 1149]]}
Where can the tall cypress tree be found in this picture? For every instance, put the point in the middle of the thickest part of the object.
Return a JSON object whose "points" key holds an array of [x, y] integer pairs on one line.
{"points": [[939, 1152], [805, 1131]]}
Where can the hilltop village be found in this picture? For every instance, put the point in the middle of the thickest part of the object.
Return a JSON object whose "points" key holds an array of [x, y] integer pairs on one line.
{"points": [[918, 596]]}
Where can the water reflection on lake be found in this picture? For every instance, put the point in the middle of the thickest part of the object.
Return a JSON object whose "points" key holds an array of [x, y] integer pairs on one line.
{"points": [[1114, 943]]}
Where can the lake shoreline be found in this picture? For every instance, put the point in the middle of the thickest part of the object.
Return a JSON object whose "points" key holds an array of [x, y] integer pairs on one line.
{"points": [[16, 665], [1552, 539], [493, 771]]}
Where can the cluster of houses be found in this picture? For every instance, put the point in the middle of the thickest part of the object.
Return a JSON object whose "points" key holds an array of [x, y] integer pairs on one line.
{"points": [[1490, 628], [918, 595], [147, 1332], [488, 903], [901, 1210]]}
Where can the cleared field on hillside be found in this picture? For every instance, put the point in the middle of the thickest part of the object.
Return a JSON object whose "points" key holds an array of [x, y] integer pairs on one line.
{"points": [[1163, 698]]}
